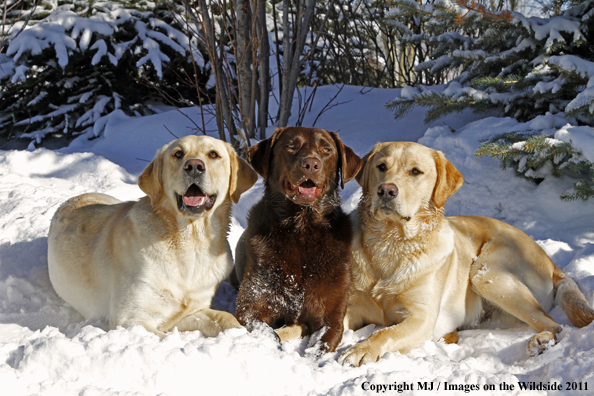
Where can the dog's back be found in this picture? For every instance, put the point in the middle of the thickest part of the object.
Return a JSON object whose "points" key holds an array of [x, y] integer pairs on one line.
{"points": [[75, 235]]}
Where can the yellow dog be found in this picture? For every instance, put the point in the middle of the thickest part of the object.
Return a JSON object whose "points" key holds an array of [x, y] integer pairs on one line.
{"points": [[424, 275], [156, 262]]}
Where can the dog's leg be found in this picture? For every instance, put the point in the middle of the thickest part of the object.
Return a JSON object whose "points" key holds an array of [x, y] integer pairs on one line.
{"points": [[417, 326], [362, 310], [139, 315], [253, 307], [505, 290], [415, 311], [398, 338], [333, 335], [209, 321], [256, 311], [569, 296], [324, 316]]}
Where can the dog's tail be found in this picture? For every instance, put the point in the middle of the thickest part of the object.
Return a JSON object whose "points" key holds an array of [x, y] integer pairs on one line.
{"points": [[571, 299]]}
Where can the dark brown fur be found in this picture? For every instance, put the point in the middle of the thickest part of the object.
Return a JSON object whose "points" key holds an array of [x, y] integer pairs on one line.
{"points": [[296, 253]]}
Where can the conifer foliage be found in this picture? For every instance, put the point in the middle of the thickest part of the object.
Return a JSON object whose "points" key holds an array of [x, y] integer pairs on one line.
{"points": [[79, 63], [536, 156], [507, 64]]}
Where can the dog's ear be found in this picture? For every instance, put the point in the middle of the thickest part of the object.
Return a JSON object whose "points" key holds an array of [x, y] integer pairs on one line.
{"points": [[242, 175], [349, 162], [363, 175], [150, 181], [449, 179], [259, 154]]}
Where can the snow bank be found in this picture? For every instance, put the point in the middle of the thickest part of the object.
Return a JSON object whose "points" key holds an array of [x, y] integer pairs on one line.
{"points": [[46, 348], [487, 191]]}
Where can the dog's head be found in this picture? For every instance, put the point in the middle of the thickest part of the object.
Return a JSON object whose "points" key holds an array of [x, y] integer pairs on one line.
{"points": [[195, 174], [401, 178], [304, 163]]}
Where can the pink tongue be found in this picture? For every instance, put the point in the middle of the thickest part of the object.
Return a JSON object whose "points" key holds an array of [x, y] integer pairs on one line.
{"points": [[195, 200], [307, 190]]}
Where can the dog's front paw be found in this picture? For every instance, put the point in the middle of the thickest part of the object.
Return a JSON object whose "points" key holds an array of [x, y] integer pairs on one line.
{"points": [[360, 354], [292, 332], [228, 322]]}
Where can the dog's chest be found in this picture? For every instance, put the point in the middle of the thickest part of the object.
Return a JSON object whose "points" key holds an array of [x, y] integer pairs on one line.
{"points": [[186, 275], [304, 255], [297, 262], [396, 262], [388, 265]]}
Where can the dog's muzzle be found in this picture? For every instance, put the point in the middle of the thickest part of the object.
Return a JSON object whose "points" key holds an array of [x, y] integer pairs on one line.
{"points": [[386, 193]]}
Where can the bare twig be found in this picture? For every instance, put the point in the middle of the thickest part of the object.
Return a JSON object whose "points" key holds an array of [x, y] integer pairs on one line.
{"points": [[168, 130], [329, 105]]}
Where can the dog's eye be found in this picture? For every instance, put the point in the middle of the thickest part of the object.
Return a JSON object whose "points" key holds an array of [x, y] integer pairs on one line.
{"points": [[415, 172], [382, 167], [290, 146], [213, 154], [327, 149], [178, 154]]}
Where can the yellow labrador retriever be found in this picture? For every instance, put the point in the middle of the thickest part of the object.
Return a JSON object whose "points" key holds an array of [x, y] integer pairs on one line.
{"points": [[424, 275], [156, 262]]}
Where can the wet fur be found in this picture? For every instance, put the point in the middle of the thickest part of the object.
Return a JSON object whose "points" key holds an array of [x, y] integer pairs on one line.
{"points": [[292, 260]]}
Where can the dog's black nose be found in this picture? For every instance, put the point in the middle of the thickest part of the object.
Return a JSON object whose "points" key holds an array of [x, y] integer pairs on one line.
{"points": [[194, 167], [387, 191], [311, 164]]}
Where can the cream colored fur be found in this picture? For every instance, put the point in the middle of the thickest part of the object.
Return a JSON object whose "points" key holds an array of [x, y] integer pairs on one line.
{"points": [[422, 275], [146, 262]]}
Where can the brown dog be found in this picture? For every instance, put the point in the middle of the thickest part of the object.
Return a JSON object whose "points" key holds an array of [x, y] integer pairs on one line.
{"points": [[424, 275], [296, 248]]}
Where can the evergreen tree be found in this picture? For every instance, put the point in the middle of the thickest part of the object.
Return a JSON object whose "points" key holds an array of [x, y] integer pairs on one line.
{"points": [[510, 65], [77, 64]]}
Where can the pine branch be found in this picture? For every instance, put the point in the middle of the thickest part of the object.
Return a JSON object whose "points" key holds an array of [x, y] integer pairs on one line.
{"points": [[529, 155], [439, 105]]}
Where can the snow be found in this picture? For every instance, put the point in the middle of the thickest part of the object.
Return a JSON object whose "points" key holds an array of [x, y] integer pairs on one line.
{"points": [[47, 348], [408, 92], [573, 63], [6, 66], [66, 32], [37, 38], [551, 28], [581, 137], [101, 48], [154, 50]]}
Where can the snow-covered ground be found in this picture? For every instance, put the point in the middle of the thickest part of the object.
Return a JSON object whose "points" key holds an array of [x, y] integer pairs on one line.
{"points": [[46, 348]]}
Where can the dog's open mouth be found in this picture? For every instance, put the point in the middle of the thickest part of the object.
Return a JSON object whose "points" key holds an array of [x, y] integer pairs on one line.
{"points": [[195, 200], [306, 191]]}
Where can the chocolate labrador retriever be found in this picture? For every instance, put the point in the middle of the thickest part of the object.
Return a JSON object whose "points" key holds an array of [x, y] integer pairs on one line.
{"points": [[296, 248]]}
